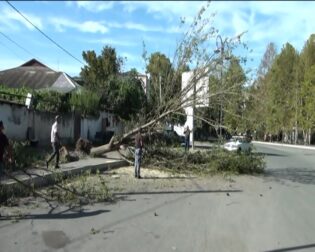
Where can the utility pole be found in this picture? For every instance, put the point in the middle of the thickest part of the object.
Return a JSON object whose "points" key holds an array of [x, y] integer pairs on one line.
{"points": [[220, 48], [221, 76], [160, 79], [193, 119]]}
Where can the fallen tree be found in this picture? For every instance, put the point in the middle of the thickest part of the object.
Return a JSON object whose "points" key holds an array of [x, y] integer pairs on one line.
{"points": [[196, 49]]}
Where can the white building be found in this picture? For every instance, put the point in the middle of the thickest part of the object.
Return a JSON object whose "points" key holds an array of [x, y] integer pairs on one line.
{"points": [[202, 99]]}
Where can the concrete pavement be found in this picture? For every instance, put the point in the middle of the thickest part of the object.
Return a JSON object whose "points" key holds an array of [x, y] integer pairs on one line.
{"points": [[39, 177]]}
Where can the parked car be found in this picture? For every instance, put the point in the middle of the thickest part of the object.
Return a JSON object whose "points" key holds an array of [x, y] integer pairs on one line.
{"points": [[239, 143]]}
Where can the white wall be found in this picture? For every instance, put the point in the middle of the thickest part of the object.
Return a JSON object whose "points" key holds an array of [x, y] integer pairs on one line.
{"points": [[15, 120], [91, 125], [202, 96], [18, 118]]}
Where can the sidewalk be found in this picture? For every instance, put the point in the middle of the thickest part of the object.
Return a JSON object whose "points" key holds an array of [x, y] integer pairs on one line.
{"points": [[286, 145], [39, 177]]}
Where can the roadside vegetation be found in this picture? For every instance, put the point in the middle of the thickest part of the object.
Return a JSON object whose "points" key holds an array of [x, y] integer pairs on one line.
{"points": [[284, 116], [75, 190], [204, 162]]}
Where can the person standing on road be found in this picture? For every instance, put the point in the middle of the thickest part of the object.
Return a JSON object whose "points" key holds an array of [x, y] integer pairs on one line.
{"points": [[4, 145], [55, 142], [187, 136], [138, 153]]}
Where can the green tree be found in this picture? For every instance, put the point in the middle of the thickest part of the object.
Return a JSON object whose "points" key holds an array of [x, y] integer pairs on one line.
{"points": [[126, 96], [257, 96], [282, 107], [100, 69], [306, 78], [119, 93], [233, 100], [160, 69]]}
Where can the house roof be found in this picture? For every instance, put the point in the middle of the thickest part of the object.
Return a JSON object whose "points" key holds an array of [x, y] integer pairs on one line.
{"points": [[35, 75], [33, 62]]}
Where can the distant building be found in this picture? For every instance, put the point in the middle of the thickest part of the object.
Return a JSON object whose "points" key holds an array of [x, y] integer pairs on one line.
{"points": [[35, 75], [202, 99], [144, 80]]}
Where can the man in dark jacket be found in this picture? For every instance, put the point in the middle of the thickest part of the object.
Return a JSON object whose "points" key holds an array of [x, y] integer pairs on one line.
{"points": [[138, 153], [187, 136]]}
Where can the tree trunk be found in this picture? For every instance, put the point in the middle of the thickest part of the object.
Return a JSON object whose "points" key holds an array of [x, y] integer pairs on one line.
{"points": [[114, 145], [304, 136]]}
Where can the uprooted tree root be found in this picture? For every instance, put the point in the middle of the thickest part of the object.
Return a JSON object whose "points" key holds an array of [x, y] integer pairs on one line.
{"points": [[203, 162]]}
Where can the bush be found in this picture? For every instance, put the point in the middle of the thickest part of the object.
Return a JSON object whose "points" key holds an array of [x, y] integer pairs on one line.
{"points": [[165, 138], [86, 101], [24, 156]]}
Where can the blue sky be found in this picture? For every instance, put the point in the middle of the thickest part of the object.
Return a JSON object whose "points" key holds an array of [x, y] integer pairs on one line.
{"points": [[81, 26]]}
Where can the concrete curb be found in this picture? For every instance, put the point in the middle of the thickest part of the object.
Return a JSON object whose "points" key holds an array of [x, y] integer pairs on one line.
{"points": [[42, 177], [287, 145]]}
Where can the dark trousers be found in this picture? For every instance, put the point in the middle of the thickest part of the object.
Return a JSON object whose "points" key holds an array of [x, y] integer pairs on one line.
{"points": [[187, 144], [138, 153], [2, 169], [56, 147]]}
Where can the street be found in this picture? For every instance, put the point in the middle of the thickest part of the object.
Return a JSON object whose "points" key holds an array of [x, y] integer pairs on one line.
{"points": [[270, 212]]}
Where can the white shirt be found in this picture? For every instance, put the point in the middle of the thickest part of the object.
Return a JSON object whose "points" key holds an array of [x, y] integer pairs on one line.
{"points": [[54, 131]]}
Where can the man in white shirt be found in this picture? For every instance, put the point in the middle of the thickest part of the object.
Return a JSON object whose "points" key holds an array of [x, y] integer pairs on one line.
{"points": [[55, 142]]}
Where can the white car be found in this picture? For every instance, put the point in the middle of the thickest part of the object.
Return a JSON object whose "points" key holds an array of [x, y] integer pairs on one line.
{"points": [[238, 143]]}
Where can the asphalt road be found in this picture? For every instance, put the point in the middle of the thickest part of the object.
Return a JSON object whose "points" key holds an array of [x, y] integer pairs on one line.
{"points": [[274, 212]]}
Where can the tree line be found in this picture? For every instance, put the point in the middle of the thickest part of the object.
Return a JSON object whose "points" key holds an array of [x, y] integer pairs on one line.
{"points": [[281, 104]]}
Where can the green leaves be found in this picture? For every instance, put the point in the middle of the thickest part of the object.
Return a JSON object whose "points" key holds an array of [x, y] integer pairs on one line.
{"points": [[282, 97], [86, 101], [113, 91], [101, 68]]}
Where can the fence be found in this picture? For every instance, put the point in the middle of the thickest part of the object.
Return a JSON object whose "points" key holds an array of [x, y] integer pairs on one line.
{"points": [[23, 124]]}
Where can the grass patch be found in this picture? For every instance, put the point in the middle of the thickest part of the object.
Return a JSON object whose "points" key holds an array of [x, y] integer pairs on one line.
{"points": [[85, 188]]}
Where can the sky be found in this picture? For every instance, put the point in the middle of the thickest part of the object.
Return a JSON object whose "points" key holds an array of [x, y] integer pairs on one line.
{"points": [[91, 25]]}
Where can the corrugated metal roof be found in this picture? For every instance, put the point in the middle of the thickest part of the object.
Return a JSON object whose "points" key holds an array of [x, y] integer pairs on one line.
{"points": [[31, 77], [33, 62], [35, 75]]}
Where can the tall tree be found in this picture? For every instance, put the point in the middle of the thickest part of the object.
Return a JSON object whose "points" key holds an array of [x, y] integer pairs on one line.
{"points": [[121, 94], [257, 99], [159, 68], [234, 81], [306, 78], [282, 90], [267, 60], [100, 69]]}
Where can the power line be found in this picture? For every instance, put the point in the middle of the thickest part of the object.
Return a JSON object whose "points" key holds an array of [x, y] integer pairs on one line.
{"points": [[12, 51], [8, 38], [11, 40], [66, 51]]}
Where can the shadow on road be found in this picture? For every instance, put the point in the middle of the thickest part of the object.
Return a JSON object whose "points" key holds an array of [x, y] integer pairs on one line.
{"points": [[293, 248], [60, 215], [175, 177], [299, 175], [270, 154], [179, 192]]}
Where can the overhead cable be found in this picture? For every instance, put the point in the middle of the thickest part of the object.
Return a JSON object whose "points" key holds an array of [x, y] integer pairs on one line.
{"points": [[66, 51]]}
